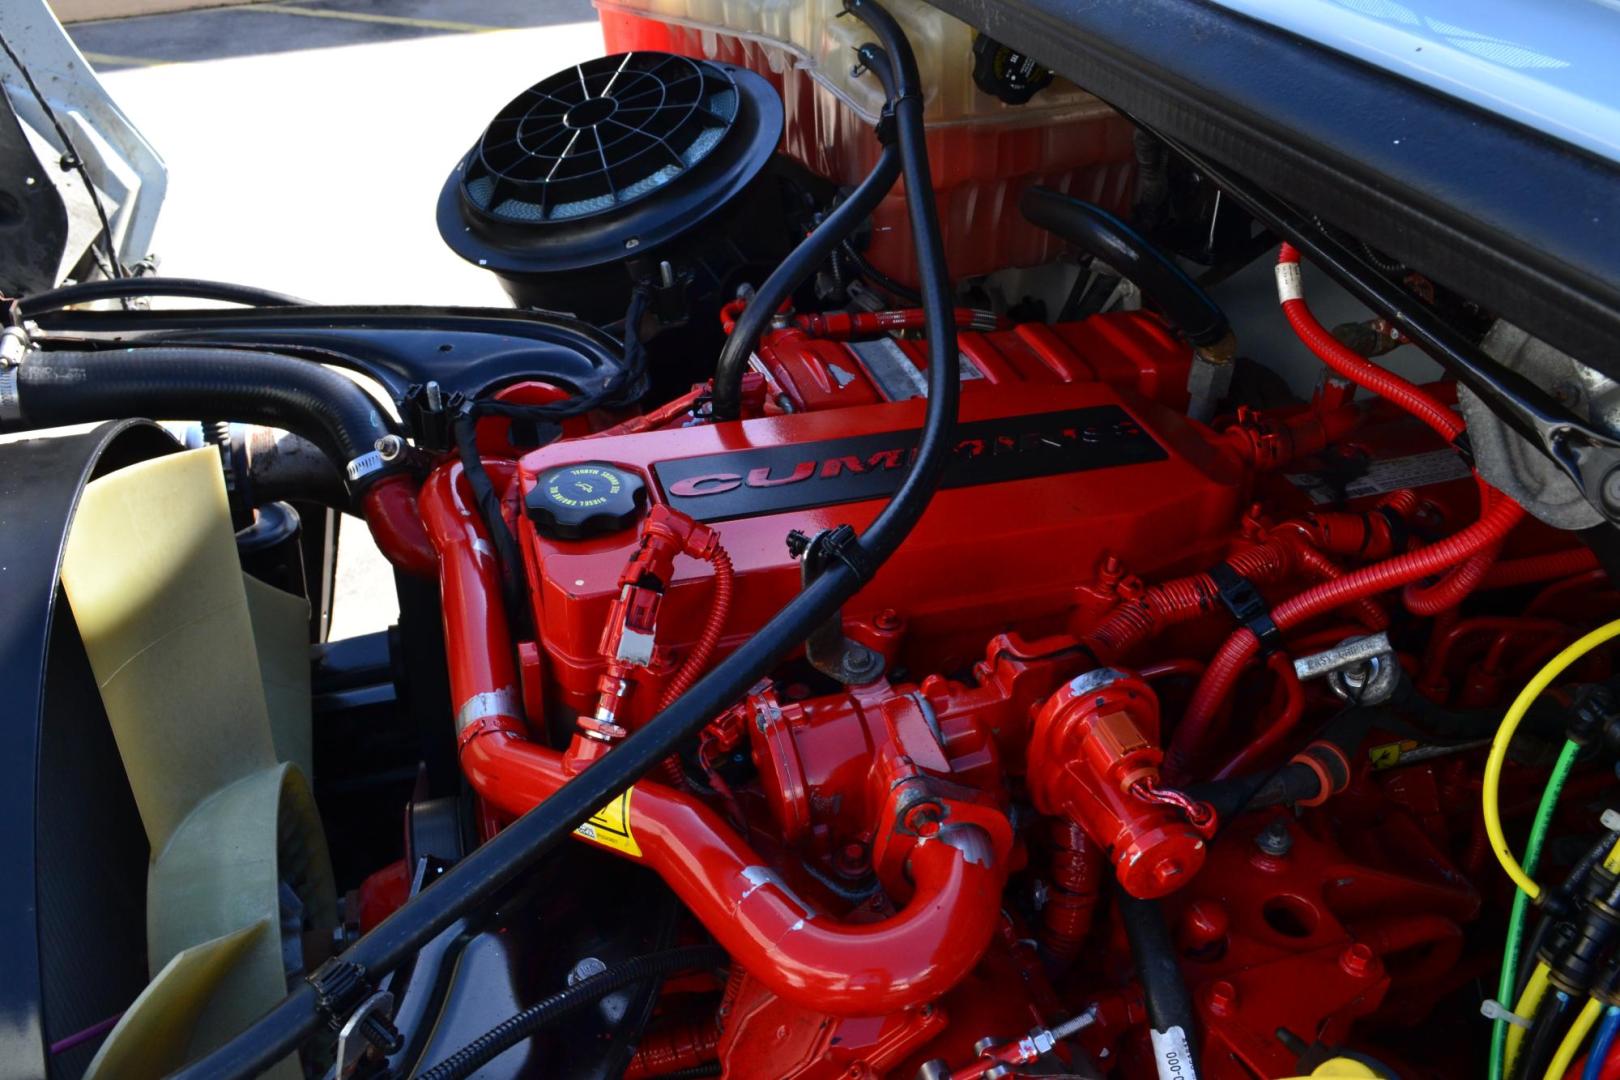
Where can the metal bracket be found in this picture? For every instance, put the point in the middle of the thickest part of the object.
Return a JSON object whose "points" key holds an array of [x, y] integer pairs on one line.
{"points": [[827, 648], [1361, 670], [379, 1006]]}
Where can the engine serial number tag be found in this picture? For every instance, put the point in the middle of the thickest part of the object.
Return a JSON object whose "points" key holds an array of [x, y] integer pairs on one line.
{"points": [[803, 476]]}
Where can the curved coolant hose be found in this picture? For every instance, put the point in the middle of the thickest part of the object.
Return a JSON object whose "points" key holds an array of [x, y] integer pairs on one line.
{"points": [[867, 969], [714, 625], [330, 410], [480, 876], [1223, 670]]}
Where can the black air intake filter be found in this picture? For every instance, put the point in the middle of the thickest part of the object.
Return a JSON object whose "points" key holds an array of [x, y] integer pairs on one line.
{"points": [[629, 157]]}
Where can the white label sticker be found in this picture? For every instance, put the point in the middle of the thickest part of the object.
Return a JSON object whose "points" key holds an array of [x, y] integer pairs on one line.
{"points": [[1173, 1055], [897, 374], [1390, 474], [1289, 283]]}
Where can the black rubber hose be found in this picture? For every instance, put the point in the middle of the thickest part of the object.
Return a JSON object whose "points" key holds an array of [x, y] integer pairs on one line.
{"points": [[1553, 1017], [1169, 1007], [801, 263], [509, 1033], [478, 877], [125, 288], [182, 382], [1108, 239]]}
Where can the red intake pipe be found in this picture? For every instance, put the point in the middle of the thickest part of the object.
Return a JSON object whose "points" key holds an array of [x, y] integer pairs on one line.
{"points": [[801, 955]]}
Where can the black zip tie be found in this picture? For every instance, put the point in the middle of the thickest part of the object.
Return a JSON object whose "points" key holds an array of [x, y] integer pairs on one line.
{"points": [[1247, 606]]}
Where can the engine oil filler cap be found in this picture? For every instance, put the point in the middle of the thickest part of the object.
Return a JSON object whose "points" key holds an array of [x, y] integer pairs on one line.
{"points": [[591, 498]]}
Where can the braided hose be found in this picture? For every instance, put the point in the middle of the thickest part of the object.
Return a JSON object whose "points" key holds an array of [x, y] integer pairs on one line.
{"points": [[703, 651]]}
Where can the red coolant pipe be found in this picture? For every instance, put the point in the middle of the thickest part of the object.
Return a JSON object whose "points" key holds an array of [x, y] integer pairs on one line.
{"points": [[809, 958], [396, 525], [1368, 581]]}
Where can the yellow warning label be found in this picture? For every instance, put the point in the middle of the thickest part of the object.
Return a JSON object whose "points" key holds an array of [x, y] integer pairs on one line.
{"points": [[1388, 754], [610, 827]]}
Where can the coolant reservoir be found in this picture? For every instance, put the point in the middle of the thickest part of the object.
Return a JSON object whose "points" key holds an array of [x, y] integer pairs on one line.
{"points": [[983, 151]]}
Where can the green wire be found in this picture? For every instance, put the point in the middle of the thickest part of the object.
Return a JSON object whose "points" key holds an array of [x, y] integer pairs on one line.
{"points": [[1521, 900]]}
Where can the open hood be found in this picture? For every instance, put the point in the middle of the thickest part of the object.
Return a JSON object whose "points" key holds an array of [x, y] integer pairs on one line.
{"points": [[65, 146]]}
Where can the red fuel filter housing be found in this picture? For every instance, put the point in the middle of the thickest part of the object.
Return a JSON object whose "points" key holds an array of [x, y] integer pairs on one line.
{"points": [[1069, 459]]}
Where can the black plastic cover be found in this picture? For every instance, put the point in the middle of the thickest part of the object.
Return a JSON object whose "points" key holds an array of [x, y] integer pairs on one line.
{"points": [[591, 498]]}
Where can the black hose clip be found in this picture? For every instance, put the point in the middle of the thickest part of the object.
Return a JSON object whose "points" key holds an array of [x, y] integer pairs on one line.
{"points": [[1247, 606], [341, 988], [840, 543]]}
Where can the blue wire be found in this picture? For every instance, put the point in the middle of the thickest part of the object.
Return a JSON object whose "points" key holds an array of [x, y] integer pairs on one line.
{"points": [[1608, 1028]]}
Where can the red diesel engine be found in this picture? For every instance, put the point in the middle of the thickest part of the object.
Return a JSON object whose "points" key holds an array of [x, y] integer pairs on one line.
{"points": [[969, 684], [867, 614], [943, 682]]}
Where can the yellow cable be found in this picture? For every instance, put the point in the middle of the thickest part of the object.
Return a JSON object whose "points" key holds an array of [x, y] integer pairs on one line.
{"points": [[1573, 1038], [1534, 990], [1489, 793]]}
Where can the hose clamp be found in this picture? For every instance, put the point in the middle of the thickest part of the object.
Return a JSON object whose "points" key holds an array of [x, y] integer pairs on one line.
{"points": [[13, 346], [10, 401], [364, 465]]}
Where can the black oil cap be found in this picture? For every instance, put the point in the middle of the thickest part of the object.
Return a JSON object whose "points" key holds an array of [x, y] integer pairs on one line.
{"points": [[592, 498]]}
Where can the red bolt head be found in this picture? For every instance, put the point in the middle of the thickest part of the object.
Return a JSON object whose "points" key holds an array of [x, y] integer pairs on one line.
{"points": [[1222, 998], [1358, 961], [887, 619], [923, 819]]}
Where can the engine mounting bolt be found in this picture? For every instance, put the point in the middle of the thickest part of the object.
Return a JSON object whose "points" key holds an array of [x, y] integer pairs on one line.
{"points": [[1275, 839], [924, 818], [886, 620], [1358, 961], [1222, 998], [852, 859]]}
